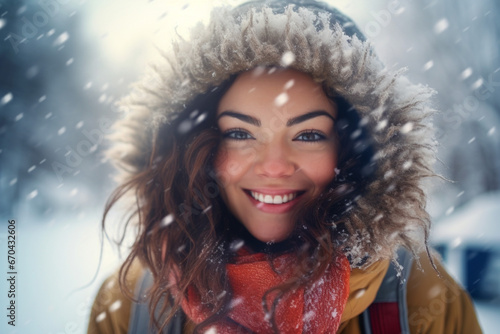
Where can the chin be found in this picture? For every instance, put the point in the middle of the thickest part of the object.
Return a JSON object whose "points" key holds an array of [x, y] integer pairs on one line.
{"points": [[272, 237]]}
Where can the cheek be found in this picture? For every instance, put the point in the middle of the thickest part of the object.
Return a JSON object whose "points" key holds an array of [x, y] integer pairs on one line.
{"points": [[322, 170], [231, 164], [228, 168]]}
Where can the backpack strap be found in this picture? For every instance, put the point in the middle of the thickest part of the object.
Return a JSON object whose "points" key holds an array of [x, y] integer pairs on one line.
{"points": [[140, 317], [389, 311]]}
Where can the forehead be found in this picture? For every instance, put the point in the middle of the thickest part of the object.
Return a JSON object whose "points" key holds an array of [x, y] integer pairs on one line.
{"points": [[260, 90]]}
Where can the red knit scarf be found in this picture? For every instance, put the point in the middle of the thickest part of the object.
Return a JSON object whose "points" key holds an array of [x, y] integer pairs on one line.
{"points": [[317, 308]]}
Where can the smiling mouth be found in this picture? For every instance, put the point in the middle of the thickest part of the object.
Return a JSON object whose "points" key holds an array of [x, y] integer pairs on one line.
{"points": [[274, 199]]}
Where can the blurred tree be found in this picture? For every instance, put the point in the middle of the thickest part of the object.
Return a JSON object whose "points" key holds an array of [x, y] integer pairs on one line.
{"points": [[51, 131], [453, 46]]}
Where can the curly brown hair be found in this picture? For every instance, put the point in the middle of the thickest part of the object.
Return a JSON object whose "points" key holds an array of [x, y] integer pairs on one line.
{"points": [[186, 230]]}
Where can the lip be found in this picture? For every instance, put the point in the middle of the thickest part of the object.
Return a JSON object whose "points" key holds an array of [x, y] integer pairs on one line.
{"points": [[274, 208], [268, 191]]}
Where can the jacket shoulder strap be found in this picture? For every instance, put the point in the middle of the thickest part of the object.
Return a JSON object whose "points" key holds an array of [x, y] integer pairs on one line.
{"points": [[140, 315], [389, 311]]}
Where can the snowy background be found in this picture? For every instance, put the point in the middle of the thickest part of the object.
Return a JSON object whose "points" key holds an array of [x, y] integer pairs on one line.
{"points": [[64, 63]]}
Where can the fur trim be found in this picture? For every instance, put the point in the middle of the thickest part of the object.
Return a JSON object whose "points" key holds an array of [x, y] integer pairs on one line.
{"points": [[394, 111]]}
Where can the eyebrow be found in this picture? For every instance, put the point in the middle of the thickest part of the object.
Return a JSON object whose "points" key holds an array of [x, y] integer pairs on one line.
{"points": [[309, 115], [290, 122], [242, 117]]}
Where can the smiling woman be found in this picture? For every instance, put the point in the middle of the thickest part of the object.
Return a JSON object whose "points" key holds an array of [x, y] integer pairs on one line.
{"points": [[276, 168]]}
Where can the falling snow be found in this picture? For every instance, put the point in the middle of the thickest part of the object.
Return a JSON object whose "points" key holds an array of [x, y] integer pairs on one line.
{"points": [[201, 118], [185, 126], [2, 23], [61, 131], [287, 59], [289, 84], [407, 128], [356, 134], [380, 125], [434, 291], [100, 317], [211, 330], [450, 210], [400, 10], [235, 302], [42, 98], [466, 73], [456, 242], [115, 306], [6, 99], [477, 84], [359, 293], [32, 168], [281, 99], [491, 131], [407, 165], [32, 72], [32, 194], [236, 245], [441, 26], [221, 295], [70, 61], [167, 220], [258, 71], [427, 66], [308, 316], [18, 117], [61, 39], [21, 10]]}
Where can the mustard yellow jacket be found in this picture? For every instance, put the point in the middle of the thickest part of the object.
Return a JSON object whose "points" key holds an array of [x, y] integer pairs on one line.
{"points": [[436, 303]]}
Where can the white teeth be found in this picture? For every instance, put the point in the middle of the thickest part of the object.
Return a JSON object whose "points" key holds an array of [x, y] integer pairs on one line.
{"points": [[268, 199], [277, 199]]}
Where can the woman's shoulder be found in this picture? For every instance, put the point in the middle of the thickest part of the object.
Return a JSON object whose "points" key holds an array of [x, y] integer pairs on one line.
{"points": [[111, 310], [436, 302]]}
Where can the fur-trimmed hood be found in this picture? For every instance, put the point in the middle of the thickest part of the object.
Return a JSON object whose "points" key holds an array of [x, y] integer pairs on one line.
{"points": [[394, 112]]}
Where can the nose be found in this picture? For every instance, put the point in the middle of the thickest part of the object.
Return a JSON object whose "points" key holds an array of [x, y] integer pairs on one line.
{"points": [[275, 160]]}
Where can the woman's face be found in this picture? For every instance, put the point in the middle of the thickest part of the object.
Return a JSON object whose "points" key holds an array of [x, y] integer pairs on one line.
{"points": [[278, 149]]}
